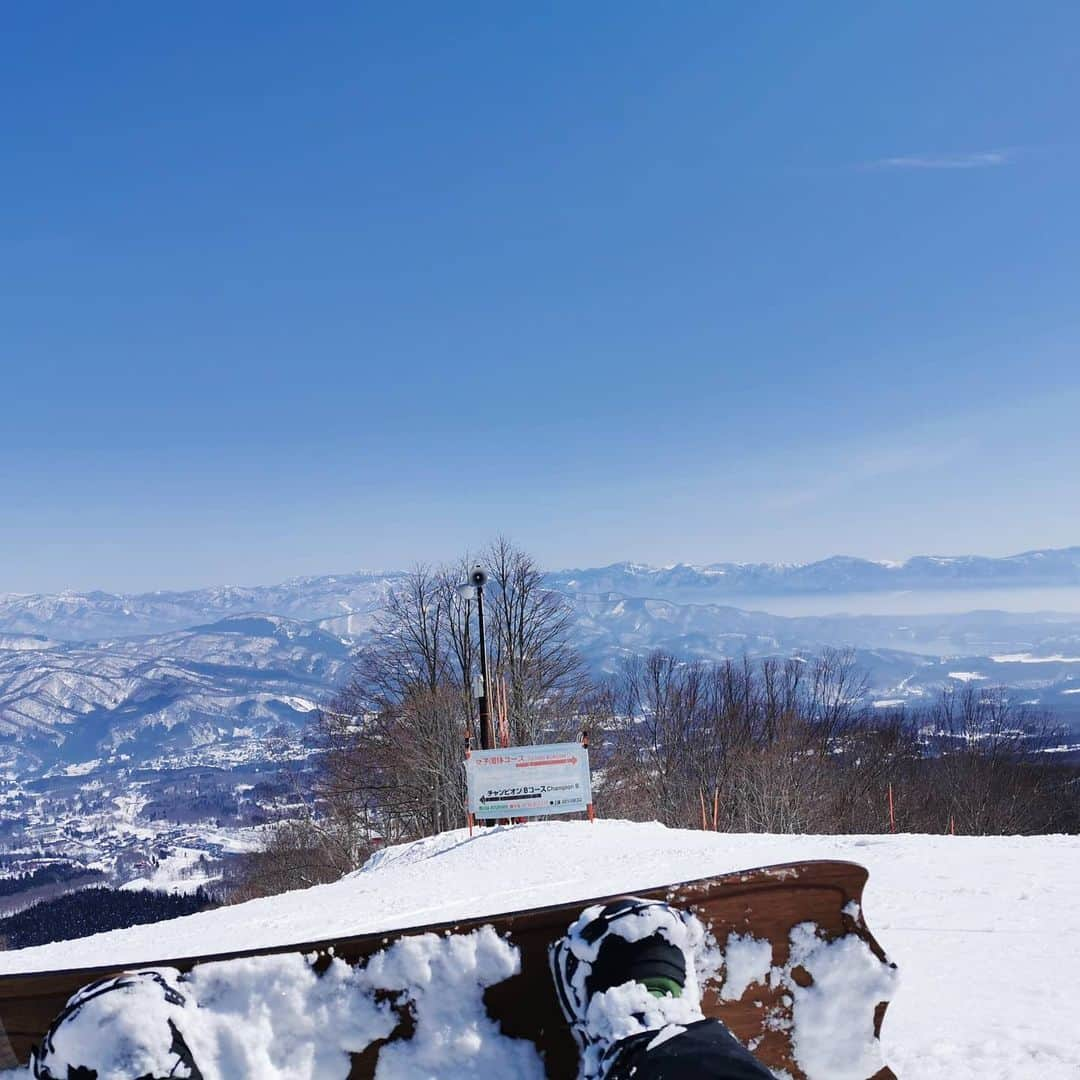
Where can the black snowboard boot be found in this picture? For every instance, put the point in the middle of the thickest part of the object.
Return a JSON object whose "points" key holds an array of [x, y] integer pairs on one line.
{"points": [[623, 970], [130, 1025]]}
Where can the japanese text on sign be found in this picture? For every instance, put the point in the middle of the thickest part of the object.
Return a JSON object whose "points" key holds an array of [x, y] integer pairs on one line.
{"points": [[526, 781]]}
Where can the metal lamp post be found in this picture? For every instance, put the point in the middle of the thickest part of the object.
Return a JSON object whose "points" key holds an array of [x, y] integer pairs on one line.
{"points": [[474, 588]]}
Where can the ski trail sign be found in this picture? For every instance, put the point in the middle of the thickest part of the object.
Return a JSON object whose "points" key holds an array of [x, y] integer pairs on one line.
{"points": [[527, 781]]}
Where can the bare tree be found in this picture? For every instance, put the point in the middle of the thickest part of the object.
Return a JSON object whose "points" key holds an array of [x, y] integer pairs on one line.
{"points": [[736, 745], [985, 752], [531, 652], [392, 739], [652, 715]]}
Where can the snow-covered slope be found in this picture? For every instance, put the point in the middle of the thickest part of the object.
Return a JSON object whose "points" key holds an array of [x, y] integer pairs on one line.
{"points": [[986, 931], [79, 702]]}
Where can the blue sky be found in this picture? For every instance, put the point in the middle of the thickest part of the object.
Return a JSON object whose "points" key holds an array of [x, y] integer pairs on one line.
{"points": [[291, 289]]}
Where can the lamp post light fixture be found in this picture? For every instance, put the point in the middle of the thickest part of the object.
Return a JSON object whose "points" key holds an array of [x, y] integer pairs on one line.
{"points": [[473, 589]]}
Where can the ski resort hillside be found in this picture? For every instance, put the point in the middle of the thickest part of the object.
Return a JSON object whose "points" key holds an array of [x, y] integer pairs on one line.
{"points": [[984, 930]]}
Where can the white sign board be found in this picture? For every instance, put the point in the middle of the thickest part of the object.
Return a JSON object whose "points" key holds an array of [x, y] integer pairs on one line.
{"points": [[524, 781]]}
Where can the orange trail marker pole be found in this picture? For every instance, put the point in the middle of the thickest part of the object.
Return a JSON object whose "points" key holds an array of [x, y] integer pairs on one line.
{"points": [[505, 716], [468, 812], [468, 754], [583, 738], [716, 810], [701, 795], [502, 717], [892, 811]]}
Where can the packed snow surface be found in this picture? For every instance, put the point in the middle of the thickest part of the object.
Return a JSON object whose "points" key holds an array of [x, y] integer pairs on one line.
{"points": [[986, 931]]}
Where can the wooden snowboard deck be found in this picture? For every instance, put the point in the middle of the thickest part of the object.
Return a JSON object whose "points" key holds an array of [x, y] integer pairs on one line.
{"points": [[766, 903]]}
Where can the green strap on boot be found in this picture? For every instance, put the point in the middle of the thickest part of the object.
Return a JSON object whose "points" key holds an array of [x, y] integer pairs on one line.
{"points": [[660, 986]]}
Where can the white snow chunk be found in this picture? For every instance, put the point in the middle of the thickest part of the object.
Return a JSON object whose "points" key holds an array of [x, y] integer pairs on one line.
{"points": [[747, 960], [833, 1036], [444, 979], [273, 1017]]}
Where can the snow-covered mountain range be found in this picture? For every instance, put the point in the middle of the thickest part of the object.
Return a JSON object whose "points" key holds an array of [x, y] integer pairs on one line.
{"points": [[89, 675], [841, 574], [90, 616], [86, 616]]}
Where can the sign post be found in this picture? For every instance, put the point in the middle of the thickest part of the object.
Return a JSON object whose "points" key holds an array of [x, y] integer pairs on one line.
{"points": [[529, 781]]}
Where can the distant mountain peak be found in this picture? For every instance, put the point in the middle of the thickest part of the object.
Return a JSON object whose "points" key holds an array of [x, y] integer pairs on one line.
{"points": [[350, 598]]}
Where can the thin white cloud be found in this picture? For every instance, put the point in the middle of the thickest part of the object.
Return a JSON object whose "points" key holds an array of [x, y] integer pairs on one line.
{"points": [[847, 470], [963, 445], [985, 159]]}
